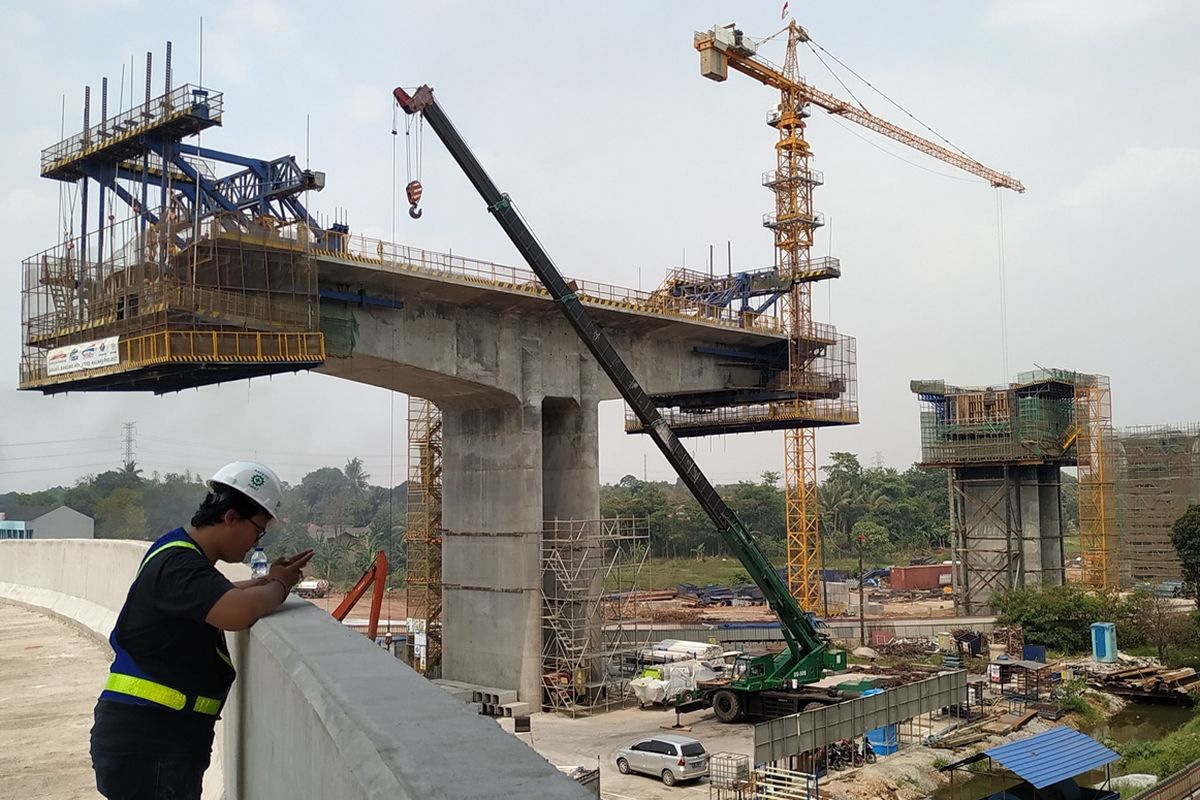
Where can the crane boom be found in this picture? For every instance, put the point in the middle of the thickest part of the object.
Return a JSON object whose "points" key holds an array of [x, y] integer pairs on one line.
{"points": [[724, 47], [807, 649]]}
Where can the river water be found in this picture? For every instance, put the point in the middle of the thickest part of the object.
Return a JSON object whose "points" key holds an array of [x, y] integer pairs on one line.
{"points": [[1137, 722]]}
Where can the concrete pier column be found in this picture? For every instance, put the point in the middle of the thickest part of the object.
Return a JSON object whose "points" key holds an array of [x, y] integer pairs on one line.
{"points": [[1050, 525], [492, 515], [573, 579], [1008, 530], [570, 459]]}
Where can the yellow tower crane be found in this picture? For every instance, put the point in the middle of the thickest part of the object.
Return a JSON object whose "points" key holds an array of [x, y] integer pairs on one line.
{"points": [[794, 222]]}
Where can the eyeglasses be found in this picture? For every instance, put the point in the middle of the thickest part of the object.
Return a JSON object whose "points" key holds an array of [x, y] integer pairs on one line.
{"points": [[262, 529]]}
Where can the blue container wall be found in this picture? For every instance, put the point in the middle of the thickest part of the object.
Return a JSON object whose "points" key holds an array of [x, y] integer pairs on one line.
{"points": [[883, 740]]}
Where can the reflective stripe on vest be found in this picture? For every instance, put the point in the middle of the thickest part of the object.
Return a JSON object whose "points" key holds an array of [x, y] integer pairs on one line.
{"points": [[157, 550], [157, 693]]}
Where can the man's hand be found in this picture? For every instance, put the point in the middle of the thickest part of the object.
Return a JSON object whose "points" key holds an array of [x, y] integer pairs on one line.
{"points": [[287, 569]]}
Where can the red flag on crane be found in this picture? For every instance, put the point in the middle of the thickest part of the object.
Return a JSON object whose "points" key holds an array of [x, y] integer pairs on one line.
{"points": [[783, 11]]}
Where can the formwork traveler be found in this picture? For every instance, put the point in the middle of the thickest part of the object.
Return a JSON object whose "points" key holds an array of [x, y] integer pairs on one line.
{"points": [[171, 672]]}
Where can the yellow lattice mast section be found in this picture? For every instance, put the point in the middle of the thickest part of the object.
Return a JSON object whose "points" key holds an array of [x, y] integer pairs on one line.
{"points": [[794, 222], [1096, 461], [423, 531]]}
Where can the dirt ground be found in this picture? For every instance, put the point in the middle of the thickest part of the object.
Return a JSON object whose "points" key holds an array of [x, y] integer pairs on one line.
{"points": [[910, 774], [894, 607], [394, 608]]}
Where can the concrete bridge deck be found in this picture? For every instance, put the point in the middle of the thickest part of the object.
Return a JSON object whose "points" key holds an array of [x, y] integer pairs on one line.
{"points": [[314, 701], [52, 675]]}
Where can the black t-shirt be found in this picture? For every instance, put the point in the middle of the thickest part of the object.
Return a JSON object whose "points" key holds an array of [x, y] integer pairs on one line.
{"points": [[162, 626]]}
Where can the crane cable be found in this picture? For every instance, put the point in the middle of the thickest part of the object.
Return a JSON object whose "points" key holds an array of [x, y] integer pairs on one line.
{"points": [[837, 77], [881, 93], [412, 144], [1003, 282]]}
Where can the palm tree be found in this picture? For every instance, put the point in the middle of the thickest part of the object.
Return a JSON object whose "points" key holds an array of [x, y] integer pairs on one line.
{"points": [[357, 476], [329, 558]]}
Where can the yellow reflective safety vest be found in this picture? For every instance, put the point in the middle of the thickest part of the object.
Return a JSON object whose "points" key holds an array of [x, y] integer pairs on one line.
{"points": [[127, 682]]}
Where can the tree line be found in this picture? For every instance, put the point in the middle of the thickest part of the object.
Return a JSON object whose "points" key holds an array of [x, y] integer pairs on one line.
{"points": [[895, 512], [346, 518], [337, 512]]}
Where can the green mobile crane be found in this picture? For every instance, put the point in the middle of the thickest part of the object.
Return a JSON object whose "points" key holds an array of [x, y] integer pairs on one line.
{"points": [[761, 686]]}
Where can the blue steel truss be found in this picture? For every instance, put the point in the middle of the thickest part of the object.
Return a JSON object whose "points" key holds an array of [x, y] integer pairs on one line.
{"points": [[120, 149]]}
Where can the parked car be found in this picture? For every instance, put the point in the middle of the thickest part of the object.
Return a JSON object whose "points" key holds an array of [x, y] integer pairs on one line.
{"points": [[667, 756]]}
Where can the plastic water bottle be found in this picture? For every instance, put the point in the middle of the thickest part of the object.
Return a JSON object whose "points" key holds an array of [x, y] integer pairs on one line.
{"points": [[259, 566]]}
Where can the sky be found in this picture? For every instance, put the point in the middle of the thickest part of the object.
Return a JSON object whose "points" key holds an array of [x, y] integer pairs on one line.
{"points": [[627, 163]]}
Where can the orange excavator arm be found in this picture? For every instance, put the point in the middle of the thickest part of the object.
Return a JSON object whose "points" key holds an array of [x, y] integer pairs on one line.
{"points": [[377, 574]]}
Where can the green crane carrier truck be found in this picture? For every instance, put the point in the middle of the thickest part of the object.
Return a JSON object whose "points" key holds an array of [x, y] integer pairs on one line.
{"points": [[768, 685]]}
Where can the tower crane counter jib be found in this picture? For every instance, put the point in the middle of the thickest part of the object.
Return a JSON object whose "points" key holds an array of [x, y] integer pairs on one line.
{"points": [[766, 685]]}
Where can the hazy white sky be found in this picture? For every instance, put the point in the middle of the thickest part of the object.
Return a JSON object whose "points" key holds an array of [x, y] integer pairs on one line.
{"points": [[626, 162]]}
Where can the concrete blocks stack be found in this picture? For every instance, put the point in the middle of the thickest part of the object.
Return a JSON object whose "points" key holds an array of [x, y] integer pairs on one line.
{"points": [[499, 702]]}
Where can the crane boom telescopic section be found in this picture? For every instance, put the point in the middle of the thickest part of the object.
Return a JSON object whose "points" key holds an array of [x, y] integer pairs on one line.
{"points": [[725, 46], [806, 647]]}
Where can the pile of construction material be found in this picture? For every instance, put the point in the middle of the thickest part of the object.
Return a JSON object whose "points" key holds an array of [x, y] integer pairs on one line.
{"points": [[714, 595], [668, 682], [669, 650], [1150, 682], [1011, 636], [907, 648], [499, 702]]}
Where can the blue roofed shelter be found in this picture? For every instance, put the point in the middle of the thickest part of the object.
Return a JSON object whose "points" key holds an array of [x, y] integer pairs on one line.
{"points": [[1046, 765]]}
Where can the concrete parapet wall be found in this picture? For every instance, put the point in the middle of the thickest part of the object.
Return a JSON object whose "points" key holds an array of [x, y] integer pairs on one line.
{"points": [[317, 710]]}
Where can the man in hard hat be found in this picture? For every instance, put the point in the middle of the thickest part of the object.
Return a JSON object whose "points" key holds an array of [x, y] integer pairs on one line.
{"points": [[171, 673]]}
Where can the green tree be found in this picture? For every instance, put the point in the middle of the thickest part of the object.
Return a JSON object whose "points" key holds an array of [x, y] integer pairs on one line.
{"points": [[877, 547], [356, 476], [1060, 617], [170, 501], [329, 560], [760, 507], [1185, 536], [120, 516]]}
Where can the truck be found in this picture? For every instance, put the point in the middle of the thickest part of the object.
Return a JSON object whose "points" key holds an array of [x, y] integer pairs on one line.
{"points": [[769, 685]]}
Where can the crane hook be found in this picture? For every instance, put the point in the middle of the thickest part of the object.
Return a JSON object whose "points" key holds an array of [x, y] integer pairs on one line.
{"points": [[413, 190]]}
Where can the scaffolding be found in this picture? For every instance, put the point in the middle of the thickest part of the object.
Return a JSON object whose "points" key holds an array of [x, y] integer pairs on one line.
{"points": [[1004, 447], [1032, 421], [144, 305], [208, 280], [823, 392], [423, 536], [590, 580], [1096, 459], [1158, 477]]}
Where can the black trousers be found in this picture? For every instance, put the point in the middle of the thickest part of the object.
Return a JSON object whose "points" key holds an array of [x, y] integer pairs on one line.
{"points": [[146, 753]]}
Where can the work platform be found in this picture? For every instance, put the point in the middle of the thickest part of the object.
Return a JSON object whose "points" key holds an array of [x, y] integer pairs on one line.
{"points": [[1004, 447], [217, 277], [179, 113]]}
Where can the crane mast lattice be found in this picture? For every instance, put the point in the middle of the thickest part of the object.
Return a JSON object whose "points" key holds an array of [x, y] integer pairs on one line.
{"points": [[794, 223]]}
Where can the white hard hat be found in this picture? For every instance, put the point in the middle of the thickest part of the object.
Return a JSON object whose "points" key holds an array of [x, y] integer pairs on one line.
{"points": [[256, 481]]}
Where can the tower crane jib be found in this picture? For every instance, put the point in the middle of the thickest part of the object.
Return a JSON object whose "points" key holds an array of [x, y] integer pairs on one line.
{"points": [[725, 46]]}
